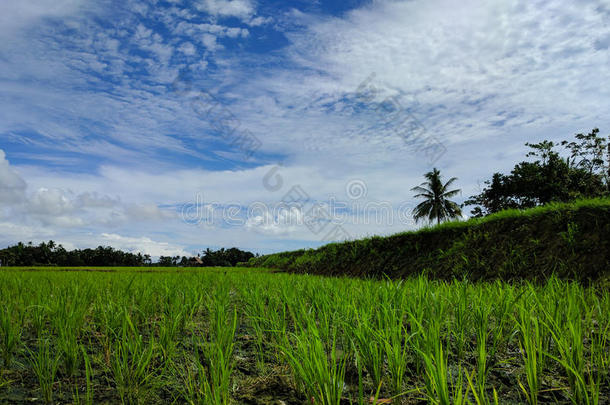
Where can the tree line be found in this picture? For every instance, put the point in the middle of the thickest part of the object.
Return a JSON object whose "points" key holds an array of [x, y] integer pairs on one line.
{"points": [[53, 254], [221, 257], [580, 170]]}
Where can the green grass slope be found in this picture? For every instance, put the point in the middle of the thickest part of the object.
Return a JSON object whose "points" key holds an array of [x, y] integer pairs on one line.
{"points": [[571, 241]]}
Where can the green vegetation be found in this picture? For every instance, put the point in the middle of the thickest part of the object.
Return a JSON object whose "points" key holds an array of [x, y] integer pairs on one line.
{"points": [[52, 254], [569, 240], [218, 336], [583, 172]]}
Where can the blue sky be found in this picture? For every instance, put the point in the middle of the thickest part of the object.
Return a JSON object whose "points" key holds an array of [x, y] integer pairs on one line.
{"points": [[118, 118]]}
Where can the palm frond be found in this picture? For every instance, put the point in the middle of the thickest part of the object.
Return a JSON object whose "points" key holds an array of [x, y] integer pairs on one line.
{"points": [[452, 193]]}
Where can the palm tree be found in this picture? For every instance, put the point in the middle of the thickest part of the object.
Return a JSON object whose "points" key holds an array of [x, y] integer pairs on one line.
{"points": [[436, 204]]}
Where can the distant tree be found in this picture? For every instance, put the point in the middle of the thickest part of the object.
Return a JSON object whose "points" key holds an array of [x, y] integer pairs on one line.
{"points": [[225, 257], [147, 260], [585, 173], [165, 261], [436, 204], [51, 254]]}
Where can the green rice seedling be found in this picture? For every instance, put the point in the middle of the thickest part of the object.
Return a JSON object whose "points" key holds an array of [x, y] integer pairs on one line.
{"points": [[462, 317], [170, 326], [601, 344], [319, 373], [397, 344], [214, 356], [551, 302], [307, 325], [362, 398], [214, 374], [397, 352], [598, 365], [417, 309], [367, 342], [479, 400], [255, 309], [68, 312], [532, 352], [434, 357], [38, 316], [569, 343], [436, 377], [276, 320], [111, 324], [502, 300], [359, 369], [459, 390], [88, 398], [10, 334], [481, 317], [131, 364], [195, 388], [483, 309], [222, 322], [45, 365], [67, 344]]}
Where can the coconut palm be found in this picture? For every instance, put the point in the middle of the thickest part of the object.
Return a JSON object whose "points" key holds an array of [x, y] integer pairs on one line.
{"points": [[436, 204]]}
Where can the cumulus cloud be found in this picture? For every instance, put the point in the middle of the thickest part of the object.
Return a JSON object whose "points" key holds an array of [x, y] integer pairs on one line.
{"points": [[228, 8], [257, 21], [187, 48], [49, 203], [147, 212], [142, 245], [209, 41], [11, 233], [12, 186]]}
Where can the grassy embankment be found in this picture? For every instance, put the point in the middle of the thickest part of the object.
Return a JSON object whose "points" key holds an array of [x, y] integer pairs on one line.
{"points": [[571, 241]]}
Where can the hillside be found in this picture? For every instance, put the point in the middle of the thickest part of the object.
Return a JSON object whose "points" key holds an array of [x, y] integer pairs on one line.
{"points": [[569, 240]]}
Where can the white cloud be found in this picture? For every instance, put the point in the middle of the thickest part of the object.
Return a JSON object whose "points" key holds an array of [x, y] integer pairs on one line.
{"points": [[258, 21], [147, 212], [236, 32], [209, 41], [49, 203], [142, 245], [12, 186], [228, 8], [11, 233], [15, 15], [188, 49]]}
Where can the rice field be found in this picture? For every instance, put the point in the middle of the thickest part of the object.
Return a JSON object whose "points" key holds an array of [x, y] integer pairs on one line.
{"points": [[251, 336]]}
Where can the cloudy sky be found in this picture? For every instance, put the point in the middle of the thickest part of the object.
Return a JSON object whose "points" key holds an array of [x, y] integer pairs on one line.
{"points": [[170, 126]]}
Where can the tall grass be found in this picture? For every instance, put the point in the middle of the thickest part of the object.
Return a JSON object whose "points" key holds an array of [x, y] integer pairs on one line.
{"points": [[318, 372], [531, 348], [88, 397], [44, 363], [209, 379], [206, 337], [131, 364], [10, 334]]}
